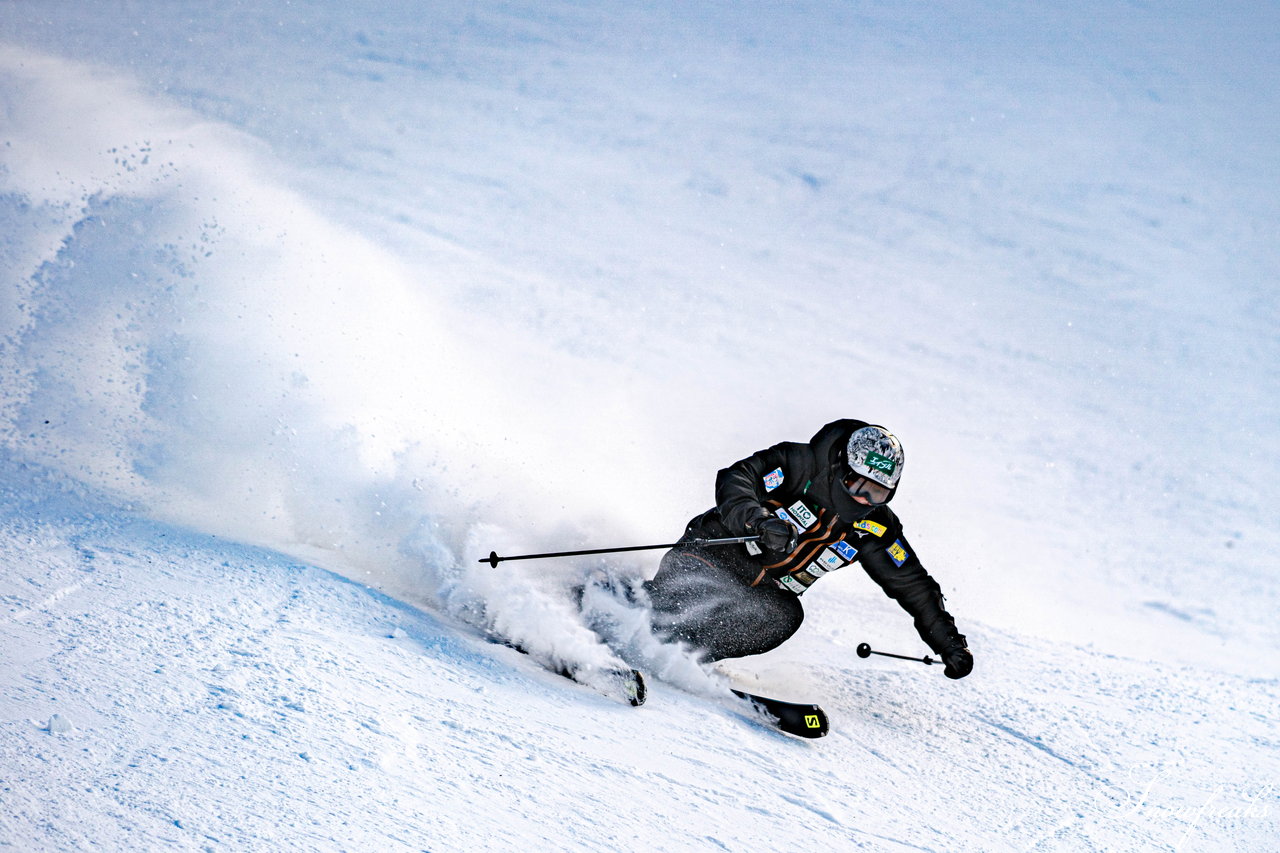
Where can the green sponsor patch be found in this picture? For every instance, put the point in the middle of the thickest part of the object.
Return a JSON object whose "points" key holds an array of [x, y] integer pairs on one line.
{"points": [[880, 463]]}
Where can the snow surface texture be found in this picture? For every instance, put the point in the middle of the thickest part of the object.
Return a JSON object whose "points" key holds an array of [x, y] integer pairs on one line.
{"points": [[308, 306]]}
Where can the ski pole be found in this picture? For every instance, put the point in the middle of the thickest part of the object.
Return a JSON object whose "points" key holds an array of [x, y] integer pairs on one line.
{"points": [[865, 651], [493, 559]]}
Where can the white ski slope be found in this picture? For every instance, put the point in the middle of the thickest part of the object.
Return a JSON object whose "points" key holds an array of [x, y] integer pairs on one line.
{"points": [[308, 306]]}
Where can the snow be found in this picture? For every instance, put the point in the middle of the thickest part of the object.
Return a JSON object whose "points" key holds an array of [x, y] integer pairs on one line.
{"points": [[308, 306]]}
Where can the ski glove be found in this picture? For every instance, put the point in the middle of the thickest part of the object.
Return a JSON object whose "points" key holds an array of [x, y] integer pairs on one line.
{"points": [[958, 660], [776, 535]]}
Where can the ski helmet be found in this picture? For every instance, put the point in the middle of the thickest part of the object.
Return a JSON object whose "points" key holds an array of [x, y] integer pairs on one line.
{"points": [[875, 453]]}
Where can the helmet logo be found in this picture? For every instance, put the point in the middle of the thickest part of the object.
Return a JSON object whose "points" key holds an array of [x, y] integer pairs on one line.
{"points": [[880, 463]]}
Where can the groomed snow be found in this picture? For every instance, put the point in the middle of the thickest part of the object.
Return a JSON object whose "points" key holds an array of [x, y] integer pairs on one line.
{"points": [[308, 306]]}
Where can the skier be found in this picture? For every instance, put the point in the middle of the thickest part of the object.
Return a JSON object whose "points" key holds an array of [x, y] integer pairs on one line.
{"points": [[816, 507]]}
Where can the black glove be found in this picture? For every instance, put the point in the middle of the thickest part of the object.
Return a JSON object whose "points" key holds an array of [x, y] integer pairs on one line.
{"points": [[958, 659], [776, 535]]}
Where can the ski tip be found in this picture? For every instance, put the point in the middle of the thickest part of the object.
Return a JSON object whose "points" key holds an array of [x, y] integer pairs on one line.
{"points": [[625, 684], [636, 690], [808, 721], [812, 723]]}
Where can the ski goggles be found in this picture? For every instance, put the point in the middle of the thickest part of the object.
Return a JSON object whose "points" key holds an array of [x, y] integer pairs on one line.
{"points": [[867, 489]]}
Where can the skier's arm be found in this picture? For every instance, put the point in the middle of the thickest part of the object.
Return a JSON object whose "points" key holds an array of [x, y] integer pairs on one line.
{"points": [[741, 488], [910, 585]]}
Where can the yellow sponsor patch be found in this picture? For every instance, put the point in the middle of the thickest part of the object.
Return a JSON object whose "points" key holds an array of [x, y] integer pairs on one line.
{"points": [[898, 553], [871, 527]]}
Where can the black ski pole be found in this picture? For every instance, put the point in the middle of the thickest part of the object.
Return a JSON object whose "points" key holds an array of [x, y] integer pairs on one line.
{"points": [[493, 559], [865, 651]]}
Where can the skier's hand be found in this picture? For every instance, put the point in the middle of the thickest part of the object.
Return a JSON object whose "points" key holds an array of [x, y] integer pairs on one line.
{"points": [[959, 661], [776, 535]]}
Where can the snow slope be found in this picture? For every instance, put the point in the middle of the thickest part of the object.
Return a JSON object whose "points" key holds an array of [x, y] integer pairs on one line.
{"points": [[306, 305]]}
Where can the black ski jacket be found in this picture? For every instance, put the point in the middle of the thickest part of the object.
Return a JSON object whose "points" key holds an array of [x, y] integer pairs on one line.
{"points": [[803, 484]]}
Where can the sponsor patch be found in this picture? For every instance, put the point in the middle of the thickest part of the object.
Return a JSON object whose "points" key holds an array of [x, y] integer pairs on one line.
{"points": [[787, 517], [792, 584], [845, 550], [816, 569], [830, 560], [897, 553], [803, 514], [870, 527], [773, 479]]}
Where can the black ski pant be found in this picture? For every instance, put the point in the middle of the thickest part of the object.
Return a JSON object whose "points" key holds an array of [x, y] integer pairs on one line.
{"points": [[704, 597]]}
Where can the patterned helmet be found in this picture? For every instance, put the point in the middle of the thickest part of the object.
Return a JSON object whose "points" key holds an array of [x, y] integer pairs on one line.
{"points": [[875, 453]]}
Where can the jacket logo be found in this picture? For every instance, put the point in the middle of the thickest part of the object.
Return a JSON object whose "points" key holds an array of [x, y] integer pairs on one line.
{"points": [[845, 550], [792, 584], [830, 560], [897, 553], [870, 527], [786, 516], [773, 479], [803, 514]]}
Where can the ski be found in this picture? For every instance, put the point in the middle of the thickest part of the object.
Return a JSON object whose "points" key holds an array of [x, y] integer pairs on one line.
{"points": [[795, 718], [621, 683], [805, 720]]}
